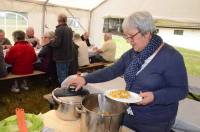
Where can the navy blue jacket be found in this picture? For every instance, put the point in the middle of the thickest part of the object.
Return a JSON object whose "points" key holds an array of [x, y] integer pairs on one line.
{"points": [[165, 76]]}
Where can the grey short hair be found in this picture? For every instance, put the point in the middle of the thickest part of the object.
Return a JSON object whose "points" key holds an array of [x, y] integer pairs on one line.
{"points": [[18, 35], [50, 34], [141, 20]]}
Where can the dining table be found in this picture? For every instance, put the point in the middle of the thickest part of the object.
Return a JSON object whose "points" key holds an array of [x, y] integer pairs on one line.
{"points": [[187, 117]]}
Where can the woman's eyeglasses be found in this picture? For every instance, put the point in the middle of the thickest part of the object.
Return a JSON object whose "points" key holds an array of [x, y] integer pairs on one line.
{"points": [[128, 37]]}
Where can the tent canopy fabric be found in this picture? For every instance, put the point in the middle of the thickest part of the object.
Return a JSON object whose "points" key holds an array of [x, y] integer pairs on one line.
{"points": [[78, 4]]}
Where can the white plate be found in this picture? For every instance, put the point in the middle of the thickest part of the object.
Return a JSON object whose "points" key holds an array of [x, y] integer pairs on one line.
{"points": [[134, 98]]}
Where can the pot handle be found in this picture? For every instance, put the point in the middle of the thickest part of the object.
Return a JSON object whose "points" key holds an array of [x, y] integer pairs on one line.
{"points": [[55, 98], [79, 109]]}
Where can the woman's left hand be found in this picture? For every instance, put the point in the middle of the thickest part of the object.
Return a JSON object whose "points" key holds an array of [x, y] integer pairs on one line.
{"points": [[147, 98]]}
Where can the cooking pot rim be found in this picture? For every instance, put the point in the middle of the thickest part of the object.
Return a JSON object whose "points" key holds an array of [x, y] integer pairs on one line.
{"points": [[69, 102], [59, 100]]}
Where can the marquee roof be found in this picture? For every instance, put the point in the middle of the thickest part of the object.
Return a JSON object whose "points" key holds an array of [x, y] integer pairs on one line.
{"points": [[77, 4]]}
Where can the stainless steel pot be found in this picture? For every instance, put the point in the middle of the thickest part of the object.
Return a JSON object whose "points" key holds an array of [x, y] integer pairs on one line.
{"points": [[100, 116], [68, 99]]}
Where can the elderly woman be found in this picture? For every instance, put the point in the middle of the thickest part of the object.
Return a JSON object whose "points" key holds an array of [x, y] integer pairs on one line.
{"points": [[21, 56], [45, 56], [153, 69]]}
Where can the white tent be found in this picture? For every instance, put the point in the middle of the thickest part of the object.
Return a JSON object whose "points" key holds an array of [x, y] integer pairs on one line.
{"points": [[42, 14], [90, 14]]}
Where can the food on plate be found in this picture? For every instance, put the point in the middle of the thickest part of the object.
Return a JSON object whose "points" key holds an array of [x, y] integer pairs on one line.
{"points": [[104, 113], [120, 94]]}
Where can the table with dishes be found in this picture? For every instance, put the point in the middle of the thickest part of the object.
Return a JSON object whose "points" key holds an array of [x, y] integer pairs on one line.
{"points": [[187, 118], [54, 123]]}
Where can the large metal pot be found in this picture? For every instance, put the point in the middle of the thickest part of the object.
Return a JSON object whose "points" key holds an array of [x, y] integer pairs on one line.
{"points": [[68, 99], [100, 114]]}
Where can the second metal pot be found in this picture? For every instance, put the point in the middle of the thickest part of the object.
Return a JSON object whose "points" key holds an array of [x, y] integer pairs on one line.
{"points": [[101, 116]]}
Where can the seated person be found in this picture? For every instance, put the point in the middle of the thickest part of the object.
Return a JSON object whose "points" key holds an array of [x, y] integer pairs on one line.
{"points": [[5, 42], [83, 58], [85, 37], [3, 71], [21, 56], [45, 58], [107, 52], [31, 38]]}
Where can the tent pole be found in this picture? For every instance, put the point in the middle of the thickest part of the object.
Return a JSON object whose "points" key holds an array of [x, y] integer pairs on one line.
{"points": [[43, 16]]}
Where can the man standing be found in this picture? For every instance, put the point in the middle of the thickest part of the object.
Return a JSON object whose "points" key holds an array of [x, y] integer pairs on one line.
{"points": [[62, 47]]}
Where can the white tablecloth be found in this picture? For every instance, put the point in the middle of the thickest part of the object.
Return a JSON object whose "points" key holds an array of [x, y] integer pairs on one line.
{"points": [[117, 83], [53, 124], [188, 119]]}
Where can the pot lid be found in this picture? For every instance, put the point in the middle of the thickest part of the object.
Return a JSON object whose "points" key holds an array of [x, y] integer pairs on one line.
{"points": [[70, 91]]}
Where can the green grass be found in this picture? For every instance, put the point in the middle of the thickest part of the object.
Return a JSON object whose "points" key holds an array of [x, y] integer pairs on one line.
{"points": [[191, 57], [192, 61], [122, 46], [31, 101]]}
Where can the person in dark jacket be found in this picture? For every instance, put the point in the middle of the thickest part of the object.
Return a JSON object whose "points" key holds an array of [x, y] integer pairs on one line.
{"points": [[152, 69], [3, 71], [62, 47], [45, 57]]}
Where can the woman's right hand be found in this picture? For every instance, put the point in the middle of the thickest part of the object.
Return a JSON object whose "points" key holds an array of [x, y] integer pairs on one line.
{"points": [[78, 82]]}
